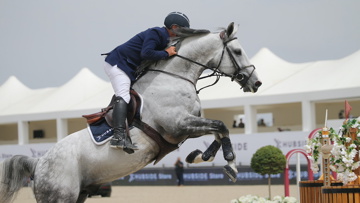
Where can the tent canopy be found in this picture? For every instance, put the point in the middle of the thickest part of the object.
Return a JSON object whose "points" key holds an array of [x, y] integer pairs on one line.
{"points": [[87, 91]]}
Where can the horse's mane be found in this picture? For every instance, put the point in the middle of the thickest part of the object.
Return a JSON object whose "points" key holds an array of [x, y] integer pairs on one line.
{"points": [[184, 32]]}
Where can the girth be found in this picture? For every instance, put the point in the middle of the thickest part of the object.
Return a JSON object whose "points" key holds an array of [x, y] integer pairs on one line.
{"points": [[164, 146]]}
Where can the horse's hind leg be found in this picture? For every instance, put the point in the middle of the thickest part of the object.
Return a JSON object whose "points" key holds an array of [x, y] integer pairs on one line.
{"points": [[46, 192], [82, 197]]}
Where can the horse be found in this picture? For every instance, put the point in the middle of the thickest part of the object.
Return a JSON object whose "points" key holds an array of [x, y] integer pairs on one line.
{"points": [[75, 166]]}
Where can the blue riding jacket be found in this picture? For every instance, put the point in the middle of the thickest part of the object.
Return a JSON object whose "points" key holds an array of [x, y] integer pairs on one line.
{"points": [[147, 45]]}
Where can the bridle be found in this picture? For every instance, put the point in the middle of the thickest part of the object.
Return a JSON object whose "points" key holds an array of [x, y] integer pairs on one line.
{"points": [[216, 72]]}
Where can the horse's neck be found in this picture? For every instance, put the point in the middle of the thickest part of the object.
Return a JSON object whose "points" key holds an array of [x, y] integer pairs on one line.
{"points": [[198, 49]]}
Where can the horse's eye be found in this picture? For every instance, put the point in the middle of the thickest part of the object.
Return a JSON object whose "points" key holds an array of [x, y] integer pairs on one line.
{"points": [[237, 52]]}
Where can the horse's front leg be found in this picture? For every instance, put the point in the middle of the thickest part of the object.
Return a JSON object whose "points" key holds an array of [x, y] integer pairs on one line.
{"points": [[200, 126]]}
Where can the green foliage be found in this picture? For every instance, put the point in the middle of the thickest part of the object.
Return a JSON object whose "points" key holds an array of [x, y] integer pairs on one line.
{"points": [[268, 160]]}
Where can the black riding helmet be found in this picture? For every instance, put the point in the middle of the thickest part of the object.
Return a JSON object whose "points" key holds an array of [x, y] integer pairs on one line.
{"points": [[176, 18]]}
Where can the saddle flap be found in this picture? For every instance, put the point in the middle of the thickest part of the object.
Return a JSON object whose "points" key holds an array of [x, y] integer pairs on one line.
{"points": [[134, 110]]}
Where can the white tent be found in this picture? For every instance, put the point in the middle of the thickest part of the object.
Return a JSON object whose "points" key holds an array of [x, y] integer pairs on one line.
{"points": [[283, 82]]}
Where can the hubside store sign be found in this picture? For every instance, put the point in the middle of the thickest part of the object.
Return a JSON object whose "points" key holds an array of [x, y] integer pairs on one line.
{"points": [[206, 176]]}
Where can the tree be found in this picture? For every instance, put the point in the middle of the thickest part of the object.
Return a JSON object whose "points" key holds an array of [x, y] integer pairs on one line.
{"points": [[268, 160]]}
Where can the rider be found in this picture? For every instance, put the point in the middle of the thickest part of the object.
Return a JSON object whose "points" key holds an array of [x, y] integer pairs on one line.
{"points": [[122, 62]]}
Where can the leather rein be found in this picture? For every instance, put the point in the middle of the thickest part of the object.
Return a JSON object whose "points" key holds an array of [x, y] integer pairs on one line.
{"points": [[237, 75]]}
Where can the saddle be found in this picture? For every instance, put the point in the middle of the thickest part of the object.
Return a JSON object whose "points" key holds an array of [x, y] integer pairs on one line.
{"points": [[134, 120], [134, 111]]}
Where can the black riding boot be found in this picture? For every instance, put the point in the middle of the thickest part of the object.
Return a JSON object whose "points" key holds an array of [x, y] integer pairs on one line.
{"points": [[120, 138]]}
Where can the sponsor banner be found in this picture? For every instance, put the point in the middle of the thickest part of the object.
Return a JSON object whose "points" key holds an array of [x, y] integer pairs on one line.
{"points": [[31, 150], [207, 176], [244, 147]]}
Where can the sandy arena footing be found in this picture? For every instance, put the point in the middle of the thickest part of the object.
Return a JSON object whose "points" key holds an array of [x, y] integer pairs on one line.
{"points": [[174, 194]]}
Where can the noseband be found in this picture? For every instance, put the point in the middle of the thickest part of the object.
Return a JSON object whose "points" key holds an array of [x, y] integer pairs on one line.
{"points": [[236, 75]]}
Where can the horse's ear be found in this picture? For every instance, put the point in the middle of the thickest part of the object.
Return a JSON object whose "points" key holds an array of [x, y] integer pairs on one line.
{"points": [[231, 30], [222, 35]]}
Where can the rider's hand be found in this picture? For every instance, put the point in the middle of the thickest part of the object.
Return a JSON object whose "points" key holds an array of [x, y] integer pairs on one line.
{"points": [[171, 50]]}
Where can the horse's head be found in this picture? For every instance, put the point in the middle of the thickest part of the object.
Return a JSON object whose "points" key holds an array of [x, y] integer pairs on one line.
{"points": [[235, 63], [223, 54]]}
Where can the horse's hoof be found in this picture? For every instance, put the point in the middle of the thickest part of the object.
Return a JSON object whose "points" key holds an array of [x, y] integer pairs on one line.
{"points": [[191, 157], [128, 150], [231, 173]]}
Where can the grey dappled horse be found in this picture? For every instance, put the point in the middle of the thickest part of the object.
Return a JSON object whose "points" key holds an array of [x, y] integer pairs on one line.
{"points": [[75, 165]]}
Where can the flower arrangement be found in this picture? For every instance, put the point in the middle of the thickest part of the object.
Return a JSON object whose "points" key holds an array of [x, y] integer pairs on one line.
{"points": [[313, 147], [345, 150], [257, 199], [343, 153]]}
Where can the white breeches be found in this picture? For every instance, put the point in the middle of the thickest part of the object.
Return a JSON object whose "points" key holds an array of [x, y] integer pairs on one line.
{"points": [[119, 81]]}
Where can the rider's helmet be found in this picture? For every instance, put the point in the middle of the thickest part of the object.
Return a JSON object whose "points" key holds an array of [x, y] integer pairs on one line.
{"points": [[176, 18]]}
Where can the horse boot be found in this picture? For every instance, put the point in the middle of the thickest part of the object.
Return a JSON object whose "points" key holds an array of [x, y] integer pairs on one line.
{"points": [[120, 138]]}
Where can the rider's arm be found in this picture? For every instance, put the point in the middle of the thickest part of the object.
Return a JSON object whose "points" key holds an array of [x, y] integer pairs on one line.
{"points": [[152, 47]]}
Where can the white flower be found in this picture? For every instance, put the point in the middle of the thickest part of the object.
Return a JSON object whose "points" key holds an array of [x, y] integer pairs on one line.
{"points": [[348, 139], [315, 168], [308, 148], [311, 158], [277, 198], [257, 199], [332, 167], [340, 169], [290, 200], [355, 165]]}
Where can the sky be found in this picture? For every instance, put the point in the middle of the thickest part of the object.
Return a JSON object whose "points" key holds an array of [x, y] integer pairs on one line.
{"points": [[45, 43]]}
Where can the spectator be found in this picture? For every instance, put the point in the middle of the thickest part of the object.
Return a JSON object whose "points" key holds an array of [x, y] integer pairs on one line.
{"points": [[341, 114], [179, 170], [261, 122], [234, 124], [241, 124]]}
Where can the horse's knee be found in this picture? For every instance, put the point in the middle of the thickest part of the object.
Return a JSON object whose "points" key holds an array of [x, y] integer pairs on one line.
{"points": [[227, 149], [221, 127]]}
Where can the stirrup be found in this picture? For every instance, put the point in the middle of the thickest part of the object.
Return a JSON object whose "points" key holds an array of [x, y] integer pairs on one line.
{"points": [[121, 143]]}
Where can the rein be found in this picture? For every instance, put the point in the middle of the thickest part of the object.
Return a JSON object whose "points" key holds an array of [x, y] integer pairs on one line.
{"points": [[216, 71], [173, 74]]}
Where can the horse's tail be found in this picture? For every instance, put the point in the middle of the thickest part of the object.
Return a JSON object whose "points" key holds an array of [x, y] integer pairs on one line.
{"points": [[13, 172]]}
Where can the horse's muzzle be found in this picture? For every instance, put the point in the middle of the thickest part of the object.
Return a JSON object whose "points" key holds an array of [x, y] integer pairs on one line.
{"points": [[252, 88]]}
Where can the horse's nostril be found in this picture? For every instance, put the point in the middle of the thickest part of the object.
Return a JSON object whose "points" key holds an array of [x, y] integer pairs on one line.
{"points": [[258, 83]]}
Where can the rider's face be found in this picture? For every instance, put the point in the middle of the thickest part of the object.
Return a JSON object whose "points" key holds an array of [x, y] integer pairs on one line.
{"points": [[171, 33]]}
